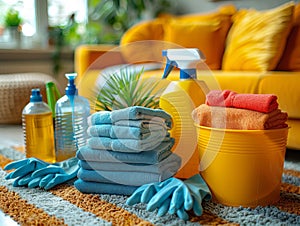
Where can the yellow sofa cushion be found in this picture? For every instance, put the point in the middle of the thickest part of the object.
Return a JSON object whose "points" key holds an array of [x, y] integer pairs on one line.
{"points": [[147, 30], [135, 43], [208, 35], [257, 39], [290, 60], [285, 86], [206, 32]]}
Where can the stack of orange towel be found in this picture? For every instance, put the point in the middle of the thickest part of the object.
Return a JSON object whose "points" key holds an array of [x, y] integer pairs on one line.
{"points": [[229, 110]]}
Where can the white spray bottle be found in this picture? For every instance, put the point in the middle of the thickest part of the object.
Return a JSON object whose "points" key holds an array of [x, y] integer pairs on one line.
{"points": [[179, 99]]}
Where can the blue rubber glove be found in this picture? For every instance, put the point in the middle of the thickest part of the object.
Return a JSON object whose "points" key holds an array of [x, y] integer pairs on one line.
{"points": [[33, 172], [167, 196], [173, 196], [199, 191], [55, 174], [178, 193], [143, 194], [24, 169]]}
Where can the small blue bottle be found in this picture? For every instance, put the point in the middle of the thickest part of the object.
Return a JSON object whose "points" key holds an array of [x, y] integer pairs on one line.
{"points": [[71, 113]]}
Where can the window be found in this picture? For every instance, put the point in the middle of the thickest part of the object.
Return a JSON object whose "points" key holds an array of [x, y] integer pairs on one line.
{"points": [[59, 11], [37, 16]]}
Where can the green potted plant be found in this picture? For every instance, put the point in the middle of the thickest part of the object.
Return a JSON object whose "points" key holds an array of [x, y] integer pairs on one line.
{"points": [[12, 22], [12, 18], [124, 89]]}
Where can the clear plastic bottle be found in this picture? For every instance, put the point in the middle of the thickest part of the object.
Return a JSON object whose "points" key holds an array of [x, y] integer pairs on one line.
{"points": [[71, 112], [38, 128]]}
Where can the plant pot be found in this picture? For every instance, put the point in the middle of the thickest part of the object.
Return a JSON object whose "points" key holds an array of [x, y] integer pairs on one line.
{"points": [[14, 34]]}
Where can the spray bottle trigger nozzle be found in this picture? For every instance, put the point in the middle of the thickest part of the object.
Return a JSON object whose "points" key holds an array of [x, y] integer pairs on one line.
{"points": [[169, 67], [184, 59]]}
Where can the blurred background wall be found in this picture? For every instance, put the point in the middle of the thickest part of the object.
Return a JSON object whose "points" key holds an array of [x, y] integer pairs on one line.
{"points": [[194, 6]]}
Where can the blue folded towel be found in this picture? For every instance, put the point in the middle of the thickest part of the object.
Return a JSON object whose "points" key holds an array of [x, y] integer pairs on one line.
{"points": [[149, 157], [132, 178], [103, 188], [139, 112], [100, 117], [143, 123], [126, 132], [127, 145], [129, 113], [171, 163]]}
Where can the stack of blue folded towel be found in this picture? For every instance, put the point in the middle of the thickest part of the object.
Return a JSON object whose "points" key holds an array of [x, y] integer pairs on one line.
{"points": [[126, 149]]}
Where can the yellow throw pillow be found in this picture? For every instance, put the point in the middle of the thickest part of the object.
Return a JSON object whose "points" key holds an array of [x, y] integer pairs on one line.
{"points": [[257, 39], [143, 42], [147, 30], [209, 37], [207, 32], [290, 60]]}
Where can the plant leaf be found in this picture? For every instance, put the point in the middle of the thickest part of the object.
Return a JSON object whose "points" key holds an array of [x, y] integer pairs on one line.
{"points": [[126, 88]]}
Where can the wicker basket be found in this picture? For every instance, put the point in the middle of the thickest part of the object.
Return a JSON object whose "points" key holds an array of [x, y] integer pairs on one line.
{"points": [[15, 91]]}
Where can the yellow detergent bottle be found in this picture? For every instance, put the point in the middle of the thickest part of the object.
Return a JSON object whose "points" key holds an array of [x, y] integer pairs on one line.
{"points": [[179, 99]]}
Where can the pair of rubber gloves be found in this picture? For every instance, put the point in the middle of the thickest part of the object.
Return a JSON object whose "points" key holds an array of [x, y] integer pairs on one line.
{"points": [[33, 172], [173, 196]]}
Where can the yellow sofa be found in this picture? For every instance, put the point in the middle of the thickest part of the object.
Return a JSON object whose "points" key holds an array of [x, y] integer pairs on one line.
{"points": [[247, 51]]}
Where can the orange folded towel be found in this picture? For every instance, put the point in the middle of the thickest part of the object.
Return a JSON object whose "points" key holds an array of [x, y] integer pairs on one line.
{"points": [[257, 102], [236, 118]]}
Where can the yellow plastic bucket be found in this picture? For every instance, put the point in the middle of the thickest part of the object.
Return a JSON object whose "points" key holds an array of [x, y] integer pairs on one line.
{"points": [[242, 167]]}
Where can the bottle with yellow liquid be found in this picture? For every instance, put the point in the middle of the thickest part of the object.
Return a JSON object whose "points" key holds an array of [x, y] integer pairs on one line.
{"points": [[179, 99], [38, 128]]}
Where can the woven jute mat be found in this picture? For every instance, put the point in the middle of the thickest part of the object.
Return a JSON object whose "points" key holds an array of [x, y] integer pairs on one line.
{"points": [[65, 205], [15, 91]]}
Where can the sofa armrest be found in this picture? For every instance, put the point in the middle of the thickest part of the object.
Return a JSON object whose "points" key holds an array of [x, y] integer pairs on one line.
{"points": [[94, 57]]}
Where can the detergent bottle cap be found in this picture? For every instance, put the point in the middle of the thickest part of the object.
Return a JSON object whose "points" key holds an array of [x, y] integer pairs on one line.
{"points": [[71, 89], [35, 95], [184, 59]]}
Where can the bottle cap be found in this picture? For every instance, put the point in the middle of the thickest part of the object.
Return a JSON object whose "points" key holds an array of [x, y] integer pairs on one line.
{"points": [[71, 89], [35, 95]]}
